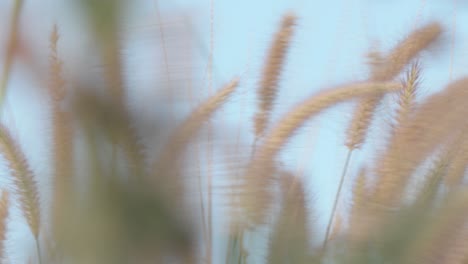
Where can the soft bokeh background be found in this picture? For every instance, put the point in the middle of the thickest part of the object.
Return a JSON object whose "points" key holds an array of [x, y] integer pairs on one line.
{"points": [[329, 47]]}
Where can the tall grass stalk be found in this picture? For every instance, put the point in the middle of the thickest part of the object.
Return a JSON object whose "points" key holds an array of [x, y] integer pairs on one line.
{"points": [[10, 49], [337, 198]]}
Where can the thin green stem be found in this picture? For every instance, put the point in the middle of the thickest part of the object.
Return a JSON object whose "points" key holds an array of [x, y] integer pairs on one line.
{"points": [[210, 140], [233, 248], [337, 198], [38, 248]]}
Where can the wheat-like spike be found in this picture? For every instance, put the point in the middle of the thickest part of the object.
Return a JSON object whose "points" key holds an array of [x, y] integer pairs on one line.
{"points": [[23, 178], [312, 106], [271, 72], [406, 50], [413, 141], [57, 83], [289, 242], [4, 204], [406, 100], [360, 122], [259, 171], [186, 131], [62, 133], [417, 137], [389, 67]]}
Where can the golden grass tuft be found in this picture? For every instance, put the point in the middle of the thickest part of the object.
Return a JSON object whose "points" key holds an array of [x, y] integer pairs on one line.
{"points": [[417, 138], [62, 148], [180, 139], [389, 66], [23, 179], [260, 171], [271, 72], [406, 97], [405, 51], [57, 83]]}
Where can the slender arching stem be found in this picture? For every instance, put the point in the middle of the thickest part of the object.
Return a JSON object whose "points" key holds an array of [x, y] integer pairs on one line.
{"points": [[337, 198]]}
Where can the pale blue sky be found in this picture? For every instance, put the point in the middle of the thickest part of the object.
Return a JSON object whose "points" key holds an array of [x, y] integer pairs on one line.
{"points": [[328, 48]]}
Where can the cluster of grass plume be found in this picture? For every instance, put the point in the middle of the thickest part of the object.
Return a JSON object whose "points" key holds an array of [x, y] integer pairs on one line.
{"points": [[124, 206]]}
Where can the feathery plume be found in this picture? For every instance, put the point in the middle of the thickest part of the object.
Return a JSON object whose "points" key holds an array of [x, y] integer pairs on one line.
{"points": [[386, 70], [57, 83], [62, 132], [259, 172], [271, 72], [406, 99], [181, 137], [23, 178], [405, 51], [417, 137]]}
